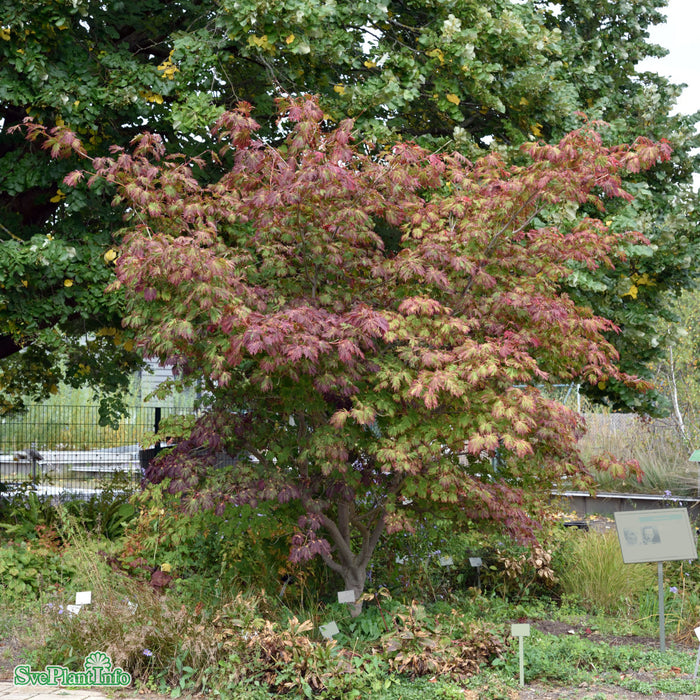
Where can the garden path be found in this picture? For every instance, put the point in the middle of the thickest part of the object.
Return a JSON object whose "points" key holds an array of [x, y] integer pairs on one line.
{"points": [[9, 691]]}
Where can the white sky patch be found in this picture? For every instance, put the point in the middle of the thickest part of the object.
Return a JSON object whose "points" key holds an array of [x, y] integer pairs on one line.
{"points": [[682, 64]]}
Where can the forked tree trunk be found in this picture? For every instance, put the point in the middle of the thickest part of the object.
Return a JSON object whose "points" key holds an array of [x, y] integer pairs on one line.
{"points": [[350, 565], [355, 579]]}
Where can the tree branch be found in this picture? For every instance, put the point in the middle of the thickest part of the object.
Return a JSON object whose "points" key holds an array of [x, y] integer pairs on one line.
{"points": [[343, 546], [492, 243]]}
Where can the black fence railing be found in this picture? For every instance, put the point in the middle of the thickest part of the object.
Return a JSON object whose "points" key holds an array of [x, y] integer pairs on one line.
{"points": [[64, 450]]}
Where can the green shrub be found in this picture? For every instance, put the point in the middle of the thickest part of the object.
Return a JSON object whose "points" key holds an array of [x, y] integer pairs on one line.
{"points": [[30, 571], [211, 554], [107, 512], [24, 511], [409, 564]]}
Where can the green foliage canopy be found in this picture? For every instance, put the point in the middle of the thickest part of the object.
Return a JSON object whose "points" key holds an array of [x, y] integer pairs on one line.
{"points": [[472, 74]]}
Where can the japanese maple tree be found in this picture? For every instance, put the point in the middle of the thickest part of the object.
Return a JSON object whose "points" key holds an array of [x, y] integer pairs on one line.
{"points": [[370, 327]]}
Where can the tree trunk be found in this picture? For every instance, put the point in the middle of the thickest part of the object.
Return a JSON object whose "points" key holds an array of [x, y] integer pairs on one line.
{"points": [[354, 578], [350, 565], [680, 424]]}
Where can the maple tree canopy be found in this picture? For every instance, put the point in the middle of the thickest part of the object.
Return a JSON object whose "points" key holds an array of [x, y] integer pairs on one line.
{"points": [[370, 328]]}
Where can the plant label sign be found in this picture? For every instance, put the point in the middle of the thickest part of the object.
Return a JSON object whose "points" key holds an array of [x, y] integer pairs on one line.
{"points": [[83, 598], [520, 631], [445, 561], [346, 596], [327, 631], [658, 535], [475, 562]]}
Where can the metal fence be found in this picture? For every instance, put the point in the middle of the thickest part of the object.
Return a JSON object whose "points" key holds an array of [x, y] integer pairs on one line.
{"points": [[64, 450]]}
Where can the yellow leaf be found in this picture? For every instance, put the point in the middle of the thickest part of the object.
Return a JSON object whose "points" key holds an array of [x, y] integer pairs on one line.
{"points": [[524, 102], [632, 292], [436, 53], [601, 385], [259, 41], [340, 89], [25, 283], [289, 39], [450, 97], [106, 331], [369, 64], [537, 129], [67, 283], [152, 97], [53, 389], [110, 255], [57, 197], [5, 33], [166, 567]]}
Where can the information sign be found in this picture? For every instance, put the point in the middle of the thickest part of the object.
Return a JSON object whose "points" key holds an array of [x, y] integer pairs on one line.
{"points": [[655, 535]]}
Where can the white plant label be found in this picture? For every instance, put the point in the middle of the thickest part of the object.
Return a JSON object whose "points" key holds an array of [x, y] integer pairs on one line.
{"points": [[445, 561], [346, 596], [327, 631], [83, 598]]}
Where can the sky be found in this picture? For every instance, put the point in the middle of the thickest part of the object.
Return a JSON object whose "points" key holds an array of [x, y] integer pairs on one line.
{"points": [[682, 64]]}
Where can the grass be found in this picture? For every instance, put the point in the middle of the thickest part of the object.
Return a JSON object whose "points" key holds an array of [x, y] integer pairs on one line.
{"points": [[655, 444], [599, 578], [446, 641]]}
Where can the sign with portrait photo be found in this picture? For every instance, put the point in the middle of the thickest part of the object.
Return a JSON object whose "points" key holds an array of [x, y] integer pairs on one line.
{"points": [[655, 535]]}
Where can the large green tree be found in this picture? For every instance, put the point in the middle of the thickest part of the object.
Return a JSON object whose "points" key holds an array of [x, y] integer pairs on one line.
{"points": [[103, 69], [473, 74]]}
